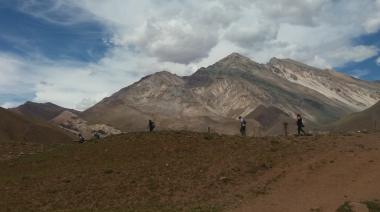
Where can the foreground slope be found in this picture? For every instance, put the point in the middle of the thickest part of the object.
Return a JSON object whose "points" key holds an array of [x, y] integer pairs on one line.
{"points": [[181, 171], [18, 128], [323, 181], [215, 96]]}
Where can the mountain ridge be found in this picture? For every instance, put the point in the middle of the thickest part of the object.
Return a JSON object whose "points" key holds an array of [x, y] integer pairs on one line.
{"points": [[221, 92]]}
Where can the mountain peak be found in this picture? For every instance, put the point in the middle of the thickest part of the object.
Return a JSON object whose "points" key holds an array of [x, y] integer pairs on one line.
{"points": [[236, 57], [43, 111], [236, 54], [162, 77], [163, 73], [30, 103], [237, 61]]}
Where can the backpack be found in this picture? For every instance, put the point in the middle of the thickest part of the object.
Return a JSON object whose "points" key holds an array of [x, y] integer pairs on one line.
{"points": [[244, 123]]}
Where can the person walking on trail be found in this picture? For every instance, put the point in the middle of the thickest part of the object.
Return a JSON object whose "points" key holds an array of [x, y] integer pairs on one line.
{"points": [[300, 125], [151, 126], [81, 138], [243, 125], [96, 135]]}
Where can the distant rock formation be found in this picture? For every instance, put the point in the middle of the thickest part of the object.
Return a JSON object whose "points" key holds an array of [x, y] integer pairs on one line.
{"points": [[76, 125]]}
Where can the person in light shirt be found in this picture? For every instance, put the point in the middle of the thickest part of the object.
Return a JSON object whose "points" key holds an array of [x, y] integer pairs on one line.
{"points": [[243, 125]]}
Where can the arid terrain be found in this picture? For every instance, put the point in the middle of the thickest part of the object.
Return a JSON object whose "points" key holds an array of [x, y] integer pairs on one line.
{"points": [[190, 106], [186, 165], [186, 171], [19, 128]]}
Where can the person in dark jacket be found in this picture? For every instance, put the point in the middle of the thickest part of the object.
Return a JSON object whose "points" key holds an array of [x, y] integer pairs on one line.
{"points": [[243, 125], [96, 135], [81, 138], [151, 126], [300, 125]]}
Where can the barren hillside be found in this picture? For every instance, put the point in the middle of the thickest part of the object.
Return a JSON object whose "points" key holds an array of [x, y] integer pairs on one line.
{"points": [[18, 128], [182, 171], [41, 111], [368, 119]]}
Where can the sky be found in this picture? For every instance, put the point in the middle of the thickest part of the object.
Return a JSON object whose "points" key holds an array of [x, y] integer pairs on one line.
{"points": [[76, 52]]}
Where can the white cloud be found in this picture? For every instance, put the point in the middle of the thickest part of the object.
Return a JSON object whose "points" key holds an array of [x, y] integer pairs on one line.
{"points": [[358, 73], [372, 24], [186, 31], [183, 35], [378, 61], [7, 105]]}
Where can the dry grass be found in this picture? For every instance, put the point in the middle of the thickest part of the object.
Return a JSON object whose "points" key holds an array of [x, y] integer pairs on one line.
{"points": [[166, 171]]}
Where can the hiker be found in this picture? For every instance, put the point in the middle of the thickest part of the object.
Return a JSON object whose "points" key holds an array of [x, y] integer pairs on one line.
{"points": [[300, 125], [81, 138], [151, 126], [97, 135], [243, 125]]}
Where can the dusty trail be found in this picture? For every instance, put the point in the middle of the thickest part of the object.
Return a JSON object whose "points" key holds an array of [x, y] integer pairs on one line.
{"points": [[348, 172]]}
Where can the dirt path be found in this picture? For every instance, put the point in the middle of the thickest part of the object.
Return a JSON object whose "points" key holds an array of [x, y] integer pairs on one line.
{"points": [[348, 172]]}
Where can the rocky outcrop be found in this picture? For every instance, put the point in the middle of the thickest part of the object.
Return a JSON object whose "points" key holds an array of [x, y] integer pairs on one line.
{"points": [[73, 123]]}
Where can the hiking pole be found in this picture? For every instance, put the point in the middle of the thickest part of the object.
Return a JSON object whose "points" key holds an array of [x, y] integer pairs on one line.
{"points": [[285, 128]]}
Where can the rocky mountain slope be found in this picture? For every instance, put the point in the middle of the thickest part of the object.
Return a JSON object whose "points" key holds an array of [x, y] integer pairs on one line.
{"points": [[41, 111], [215, 96], [18, 128], [355, 93]]}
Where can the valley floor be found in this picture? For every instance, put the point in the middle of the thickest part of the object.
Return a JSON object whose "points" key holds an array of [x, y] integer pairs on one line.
{"points": [[183, 171]]}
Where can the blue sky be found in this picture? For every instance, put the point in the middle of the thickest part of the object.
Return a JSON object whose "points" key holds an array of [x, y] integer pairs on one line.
{"points": [[27, 36], [76, 52], [368, 69]]}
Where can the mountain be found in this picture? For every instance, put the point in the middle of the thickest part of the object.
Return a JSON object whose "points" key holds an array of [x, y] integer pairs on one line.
{"points": [[368, 119], [41, 111], [215, 96], [15, 127]]}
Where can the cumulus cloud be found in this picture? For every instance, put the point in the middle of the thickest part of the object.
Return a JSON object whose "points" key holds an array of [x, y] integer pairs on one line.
{"points": [[181, 36], [185, 32]]}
